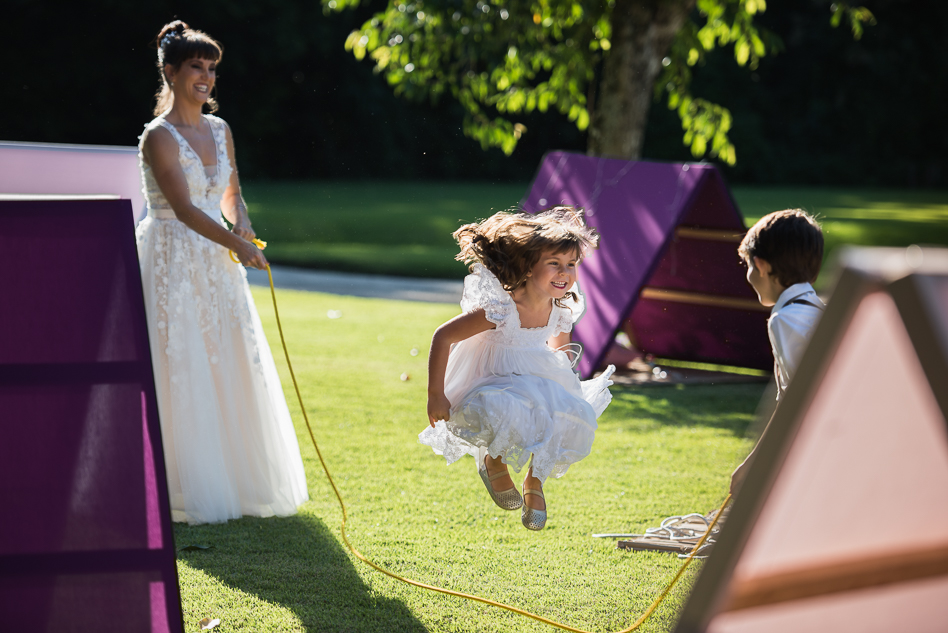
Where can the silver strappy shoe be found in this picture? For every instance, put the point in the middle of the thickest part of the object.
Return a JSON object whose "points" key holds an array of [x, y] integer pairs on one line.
{"points": [[531, 518], [506, 499]]}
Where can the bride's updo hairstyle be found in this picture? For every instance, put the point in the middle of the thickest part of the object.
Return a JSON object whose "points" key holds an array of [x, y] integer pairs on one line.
{"points": [[177, 43], [510, 244]]}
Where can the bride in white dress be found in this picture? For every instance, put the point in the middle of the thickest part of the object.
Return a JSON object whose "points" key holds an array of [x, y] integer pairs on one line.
{"points": [[229, 443]]}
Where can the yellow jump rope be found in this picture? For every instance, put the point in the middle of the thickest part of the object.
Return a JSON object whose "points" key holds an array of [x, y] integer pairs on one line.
{"points": [[261, 245]]}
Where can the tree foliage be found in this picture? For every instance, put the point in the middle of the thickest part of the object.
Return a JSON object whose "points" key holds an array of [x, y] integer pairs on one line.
{"points": [[502, 58]]}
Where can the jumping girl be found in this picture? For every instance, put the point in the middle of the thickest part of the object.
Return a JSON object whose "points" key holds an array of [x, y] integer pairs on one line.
{"points": [[500, 382]]}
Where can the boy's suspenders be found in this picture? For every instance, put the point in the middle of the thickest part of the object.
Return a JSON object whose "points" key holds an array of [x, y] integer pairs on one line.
{"points": [[805, 302]]}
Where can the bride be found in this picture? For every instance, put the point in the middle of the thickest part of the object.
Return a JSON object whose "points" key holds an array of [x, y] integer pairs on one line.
{"points": [[229, 443]]}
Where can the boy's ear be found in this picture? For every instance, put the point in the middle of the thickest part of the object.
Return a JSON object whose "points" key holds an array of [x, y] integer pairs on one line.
{"points": [[762, 265]]}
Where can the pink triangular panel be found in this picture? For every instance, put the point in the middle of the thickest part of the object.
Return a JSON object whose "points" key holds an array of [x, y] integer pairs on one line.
{"points": [[40, 168], [919, 607], [866, 474]]}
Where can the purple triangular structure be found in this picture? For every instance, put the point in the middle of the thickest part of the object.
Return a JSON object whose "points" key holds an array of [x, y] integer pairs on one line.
{"points": [[667, 270], [85, 536]]}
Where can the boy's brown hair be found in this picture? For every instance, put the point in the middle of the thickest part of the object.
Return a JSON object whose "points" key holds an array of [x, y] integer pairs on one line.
{"points": [[791, 241]]}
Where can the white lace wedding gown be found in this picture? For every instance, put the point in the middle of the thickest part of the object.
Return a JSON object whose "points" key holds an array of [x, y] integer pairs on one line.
{"points": [[229, 443], [513, 396]]}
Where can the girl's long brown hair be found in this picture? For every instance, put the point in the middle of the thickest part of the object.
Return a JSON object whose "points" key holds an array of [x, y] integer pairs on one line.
{"points": [[510, 244]]}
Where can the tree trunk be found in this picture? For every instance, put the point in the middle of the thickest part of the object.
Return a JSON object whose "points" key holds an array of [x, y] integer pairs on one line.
{"points": [[642, 33]]}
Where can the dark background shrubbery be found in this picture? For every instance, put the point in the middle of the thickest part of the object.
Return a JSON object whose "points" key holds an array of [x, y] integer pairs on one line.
{"points": [[828, 110]]}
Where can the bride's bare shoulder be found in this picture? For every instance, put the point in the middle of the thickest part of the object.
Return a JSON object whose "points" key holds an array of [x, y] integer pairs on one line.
{"points": [[157, 140]]}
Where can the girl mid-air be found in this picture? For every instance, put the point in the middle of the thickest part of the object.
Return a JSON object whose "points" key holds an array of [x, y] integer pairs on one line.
{"points": [[500, 383]]}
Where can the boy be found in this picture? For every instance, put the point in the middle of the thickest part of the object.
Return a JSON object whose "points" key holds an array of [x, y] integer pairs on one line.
{"points": [[783, 253]]}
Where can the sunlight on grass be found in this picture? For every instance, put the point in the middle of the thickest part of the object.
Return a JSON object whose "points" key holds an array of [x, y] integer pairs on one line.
{"points": [[730, 369], [404, 228], [421, 259], [376, 212], [860, 217], [659, 451], [913, 206], [204, 596]]}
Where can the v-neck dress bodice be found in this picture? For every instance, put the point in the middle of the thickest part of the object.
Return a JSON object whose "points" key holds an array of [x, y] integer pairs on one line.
{"points": [[230, 446], [206, 190], [511, 394]]}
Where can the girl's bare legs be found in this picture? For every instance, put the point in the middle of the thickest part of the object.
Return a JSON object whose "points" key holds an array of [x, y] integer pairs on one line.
{"points": [[532, 483], [497, 466]]}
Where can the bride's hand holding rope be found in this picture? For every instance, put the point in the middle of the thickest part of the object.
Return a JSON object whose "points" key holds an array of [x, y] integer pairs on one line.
{"points": [[235, 210], [250, 253]]}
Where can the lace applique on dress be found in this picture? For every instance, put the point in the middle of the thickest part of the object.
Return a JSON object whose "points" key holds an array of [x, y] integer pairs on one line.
{"points": [[230, 447], [574, 310], [482, 289], [207, 190]]}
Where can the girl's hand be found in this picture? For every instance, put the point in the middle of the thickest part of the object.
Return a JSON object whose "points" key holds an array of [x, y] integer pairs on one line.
{"points": [[243, 230], [250, 255], [439, 408]]}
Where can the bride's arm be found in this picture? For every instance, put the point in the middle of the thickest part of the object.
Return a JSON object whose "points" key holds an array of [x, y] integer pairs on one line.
{"points": [[160, 151], [233, 205]]}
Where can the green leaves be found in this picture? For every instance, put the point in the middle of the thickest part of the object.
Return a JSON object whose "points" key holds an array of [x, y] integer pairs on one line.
{"points": [[724, 22], [720, 23], [707, 124], [856, 16], [498, 58], [502, 58]]}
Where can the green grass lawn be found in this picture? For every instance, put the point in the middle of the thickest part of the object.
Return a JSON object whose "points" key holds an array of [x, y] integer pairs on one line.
{"points": [[405, 228], [863, 217], [387, 228], [659, 451]]}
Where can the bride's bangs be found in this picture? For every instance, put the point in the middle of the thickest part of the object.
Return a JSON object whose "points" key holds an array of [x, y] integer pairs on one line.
{"points": [[200, 48]]}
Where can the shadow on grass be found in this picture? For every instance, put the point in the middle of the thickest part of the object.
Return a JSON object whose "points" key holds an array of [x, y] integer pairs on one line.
{"points": [[732, 407], [295, 562]]}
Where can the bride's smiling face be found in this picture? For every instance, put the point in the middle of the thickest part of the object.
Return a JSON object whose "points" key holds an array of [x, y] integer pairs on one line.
{"points": [[193, 80]]}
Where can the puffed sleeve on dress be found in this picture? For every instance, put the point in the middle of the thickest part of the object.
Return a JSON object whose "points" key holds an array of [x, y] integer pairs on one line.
{"points": [[483, 290], [569, 315]]}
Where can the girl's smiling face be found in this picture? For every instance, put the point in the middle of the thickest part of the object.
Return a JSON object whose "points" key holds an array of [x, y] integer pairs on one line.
{"points": [[553, 274], [193, 80]]}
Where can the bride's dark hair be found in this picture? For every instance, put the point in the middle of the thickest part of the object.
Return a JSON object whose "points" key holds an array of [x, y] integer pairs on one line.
{"points": [[510, 244], [177, 43]]}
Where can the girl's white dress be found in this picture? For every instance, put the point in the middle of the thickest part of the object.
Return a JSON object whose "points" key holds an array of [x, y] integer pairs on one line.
{"points": [[229, 443], [511, 394]]}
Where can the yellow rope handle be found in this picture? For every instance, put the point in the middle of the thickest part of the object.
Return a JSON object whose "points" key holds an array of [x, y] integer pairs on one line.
{"points": [[259, 244], [450, 592]]}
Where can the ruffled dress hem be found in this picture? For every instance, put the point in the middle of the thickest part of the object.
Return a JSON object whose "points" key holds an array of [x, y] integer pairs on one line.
{"points": [[513, 397]]}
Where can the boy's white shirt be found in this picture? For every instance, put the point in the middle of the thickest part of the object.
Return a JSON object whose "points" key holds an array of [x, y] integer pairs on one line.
{"points": [[789, 328]]}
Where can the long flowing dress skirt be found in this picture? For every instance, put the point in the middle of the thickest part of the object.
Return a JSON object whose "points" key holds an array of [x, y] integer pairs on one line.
{"points": [[229, 442]]}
